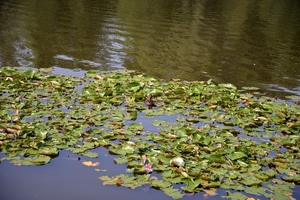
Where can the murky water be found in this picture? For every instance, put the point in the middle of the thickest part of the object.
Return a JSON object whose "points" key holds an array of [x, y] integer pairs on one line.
{"points": [[66, 178], [244, 42]]}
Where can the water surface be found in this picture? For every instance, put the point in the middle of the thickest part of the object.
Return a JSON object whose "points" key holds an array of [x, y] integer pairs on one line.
{"points": [[244, 42], [247, 43]]}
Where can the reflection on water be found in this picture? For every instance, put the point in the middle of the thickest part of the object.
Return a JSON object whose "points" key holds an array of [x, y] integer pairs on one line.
{"points": [[247, 43]]}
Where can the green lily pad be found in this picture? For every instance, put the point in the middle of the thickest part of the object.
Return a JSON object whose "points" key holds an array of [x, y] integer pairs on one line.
{"points": [[251, 181], [206, 135], [235, 196], [48, 151], [238, 155], [36, 160], [90, 154], [136, 127], [173, 193], [160, 184], [295, 179]]}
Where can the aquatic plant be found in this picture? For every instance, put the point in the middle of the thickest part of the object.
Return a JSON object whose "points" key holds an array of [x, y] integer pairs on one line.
{"points": [[220, 138]]}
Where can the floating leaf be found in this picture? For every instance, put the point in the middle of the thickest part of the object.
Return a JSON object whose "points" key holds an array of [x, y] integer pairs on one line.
{"points": [[207, 136], [136, 127], [90, 154], [172, 192], [235, 196], [90, 163], [35, 160], [100, 170], [295, 179], [160, 184], [250, 181], [121, 160], [238, 155], [48, 151]]}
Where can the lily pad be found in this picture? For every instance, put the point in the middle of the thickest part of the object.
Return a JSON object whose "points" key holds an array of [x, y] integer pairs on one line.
{"points": [[206, 136]]}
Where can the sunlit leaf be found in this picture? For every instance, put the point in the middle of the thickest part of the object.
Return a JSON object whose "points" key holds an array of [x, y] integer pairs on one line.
{"points": [[90, 163]]}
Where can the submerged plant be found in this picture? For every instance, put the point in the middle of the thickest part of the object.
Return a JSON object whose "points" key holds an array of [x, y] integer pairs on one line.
{"points": [[212, 136]]}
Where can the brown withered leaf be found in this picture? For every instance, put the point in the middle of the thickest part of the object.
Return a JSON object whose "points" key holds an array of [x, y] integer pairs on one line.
{"points": [[90, 163]]}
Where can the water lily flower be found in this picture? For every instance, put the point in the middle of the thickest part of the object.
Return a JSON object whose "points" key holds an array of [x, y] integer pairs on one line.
{"points": [[148, 168]]}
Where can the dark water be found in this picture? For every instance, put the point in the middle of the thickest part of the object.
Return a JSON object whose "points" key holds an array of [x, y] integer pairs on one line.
{"points": [[66, 178], [244, 42]]}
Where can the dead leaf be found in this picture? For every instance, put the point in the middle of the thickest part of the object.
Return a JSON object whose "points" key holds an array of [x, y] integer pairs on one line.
{"points": [[292, 173], [210, 192], [292, 198], [97, 77], [90, 163], [10, 130], [144, 158], [118, 182], [153, 178], [175, 79]]}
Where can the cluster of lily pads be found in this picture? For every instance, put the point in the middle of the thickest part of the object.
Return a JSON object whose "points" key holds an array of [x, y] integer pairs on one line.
{"points": [[219, 138]]}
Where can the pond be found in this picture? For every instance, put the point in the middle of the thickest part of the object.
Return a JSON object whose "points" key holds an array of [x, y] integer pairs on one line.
{"points": [[194, 137], [246, 43], [243, 42]]}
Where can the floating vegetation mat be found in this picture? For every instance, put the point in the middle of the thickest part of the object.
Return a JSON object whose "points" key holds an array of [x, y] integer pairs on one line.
{"points": [[244, 144]]}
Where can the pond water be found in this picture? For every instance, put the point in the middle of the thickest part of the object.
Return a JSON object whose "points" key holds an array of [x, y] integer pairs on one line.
{"points": [[247, 43], [66, 178], [244, 42]]}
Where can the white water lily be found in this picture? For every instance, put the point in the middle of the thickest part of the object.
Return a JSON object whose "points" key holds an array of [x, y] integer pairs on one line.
{"points": [[178, 161]]}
